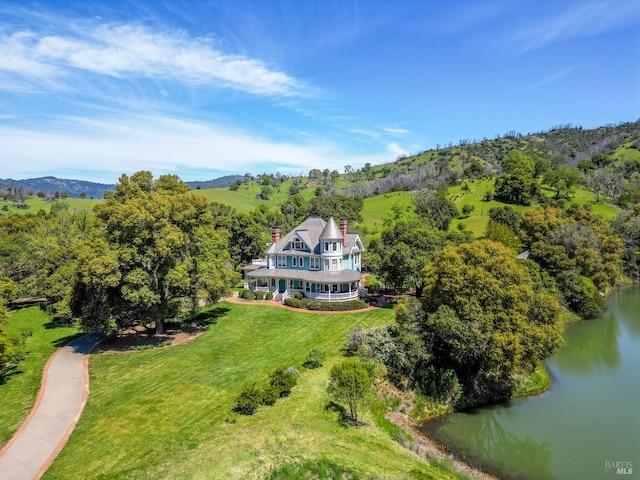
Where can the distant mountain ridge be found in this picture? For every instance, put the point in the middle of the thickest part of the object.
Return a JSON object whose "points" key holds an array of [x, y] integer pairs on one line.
{"points": [[75, 188]]}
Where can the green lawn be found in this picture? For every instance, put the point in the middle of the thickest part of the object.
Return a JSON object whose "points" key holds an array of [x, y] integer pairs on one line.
{"points": [[167, 413], [19, 392]]}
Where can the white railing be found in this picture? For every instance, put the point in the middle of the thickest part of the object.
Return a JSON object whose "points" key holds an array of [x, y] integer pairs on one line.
{"points": [[331, 296], [284, 295]]}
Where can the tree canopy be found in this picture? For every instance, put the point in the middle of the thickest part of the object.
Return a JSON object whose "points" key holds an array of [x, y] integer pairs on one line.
{"points": [[155, 247]]}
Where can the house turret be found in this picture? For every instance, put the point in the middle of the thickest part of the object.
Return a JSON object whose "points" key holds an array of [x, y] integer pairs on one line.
{"points": [[331, 239]]}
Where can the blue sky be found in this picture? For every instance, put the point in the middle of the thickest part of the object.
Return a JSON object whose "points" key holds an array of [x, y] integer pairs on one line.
{"points": [[200, 89]]}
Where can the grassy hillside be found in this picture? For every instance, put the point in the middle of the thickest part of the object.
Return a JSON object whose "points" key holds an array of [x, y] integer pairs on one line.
{"points": [[35, 204], [477, 221], [167, 413]]}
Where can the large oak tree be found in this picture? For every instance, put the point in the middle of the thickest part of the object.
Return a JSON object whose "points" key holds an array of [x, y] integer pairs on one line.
{"points": [[155, 248]]}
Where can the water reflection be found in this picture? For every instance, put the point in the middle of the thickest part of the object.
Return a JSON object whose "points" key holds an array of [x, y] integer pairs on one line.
{"points": [[588, 417], [490, 446], [593, 344], [626, 305]]}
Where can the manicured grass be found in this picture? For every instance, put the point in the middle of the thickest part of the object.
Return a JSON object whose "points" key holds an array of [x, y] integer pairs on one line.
{"points": [[19, 392], [168, 413]]}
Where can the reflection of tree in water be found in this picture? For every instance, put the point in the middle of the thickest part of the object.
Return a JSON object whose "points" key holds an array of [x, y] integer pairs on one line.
{"points": [[495, 444], [481, 441], [626, 303], [590, 344]]}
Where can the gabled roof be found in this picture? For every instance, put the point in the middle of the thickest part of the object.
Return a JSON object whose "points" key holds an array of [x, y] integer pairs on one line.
{"points": [[311, 232]]}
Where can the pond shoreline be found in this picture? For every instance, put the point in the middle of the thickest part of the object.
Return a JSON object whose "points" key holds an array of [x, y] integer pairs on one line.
{"points": [[511, 432]]}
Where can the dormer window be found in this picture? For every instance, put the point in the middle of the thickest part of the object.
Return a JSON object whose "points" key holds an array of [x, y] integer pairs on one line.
{"points": [[297, 244]]}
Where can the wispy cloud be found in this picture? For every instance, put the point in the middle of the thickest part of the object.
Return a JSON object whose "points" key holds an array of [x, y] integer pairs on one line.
{"points": [[577, 20], [102, 149], [124, 51], [396, 132], [552, 78]]}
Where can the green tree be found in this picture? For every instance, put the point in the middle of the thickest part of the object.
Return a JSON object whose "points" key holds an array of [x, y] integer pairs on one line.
{"points": [[336, 206], [11, 348], [467, 209], [501, 233], [518, 187], [507, 216], [487, 322], [563, 179], [350, 383], [405, 248], [436, 207], [155, 247], [266, 191], [517, 161]]}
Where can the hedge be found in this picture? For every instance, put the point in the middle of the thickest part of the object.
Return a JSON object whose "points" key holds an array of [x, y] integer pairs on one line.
{"points": [[326, 306]]}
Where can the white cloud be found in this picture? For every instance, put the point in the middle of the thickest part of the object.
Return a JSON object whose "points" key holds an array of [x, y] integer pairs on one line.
{"points": [[396, 132], [134, 51], [107, 147]]}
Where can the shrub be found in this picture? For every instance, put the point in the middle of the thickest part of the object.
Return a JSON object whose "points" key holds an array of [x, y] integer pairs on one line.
{"points": [[298, 295], [295, 302], [249, 400], [259, 295], [314, 305], [269, 296], [247, 295], [270, 394], [283, 380], [315, 357], [343, 306]]}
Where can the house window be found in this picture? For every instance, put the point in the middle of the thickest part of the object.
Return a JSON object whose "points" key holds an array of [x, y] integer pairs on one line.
{"points": [[294, 261], [314, 263], [281, 262], [334, 288], [297, 244], [300, 262], [334, 246], [325, 288], [334, 264], [326, 264], [326, 246], [356, 259]]}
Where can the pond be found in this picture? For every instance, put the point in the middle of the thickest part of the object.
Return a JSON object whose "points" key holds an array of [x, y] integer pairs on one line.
{"points": [[586, 426]]}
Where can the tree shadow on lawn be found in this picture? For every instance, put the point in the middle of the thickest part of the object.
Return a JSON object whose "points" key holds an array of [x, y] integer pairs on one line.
{"points": [[8, 373], [210, 317]]}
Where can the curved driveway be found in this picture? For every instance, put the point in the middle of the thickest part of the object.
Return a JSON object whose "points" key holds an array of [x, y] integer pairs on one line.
{"points": [[64, 390]]}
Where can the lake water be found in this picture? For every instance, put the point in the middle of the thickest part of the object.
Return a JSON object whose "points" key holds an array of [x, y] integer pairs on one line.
{"points": [[586, 426]]}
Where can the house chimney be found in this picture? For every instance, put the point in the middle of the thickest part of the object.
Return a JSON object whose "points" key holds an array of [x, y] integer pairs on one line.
{"points": [[343, 230], [275, 234]]}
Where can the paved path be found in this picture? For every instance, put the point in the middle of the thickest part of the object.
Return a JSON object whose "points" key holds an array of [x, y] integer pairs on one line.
{"points": [[64, 390]]}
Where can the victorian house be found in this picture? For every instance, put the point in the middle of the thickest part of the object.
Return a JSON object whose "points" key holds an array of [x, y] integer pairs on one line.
{"points": [[316, 258]]}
